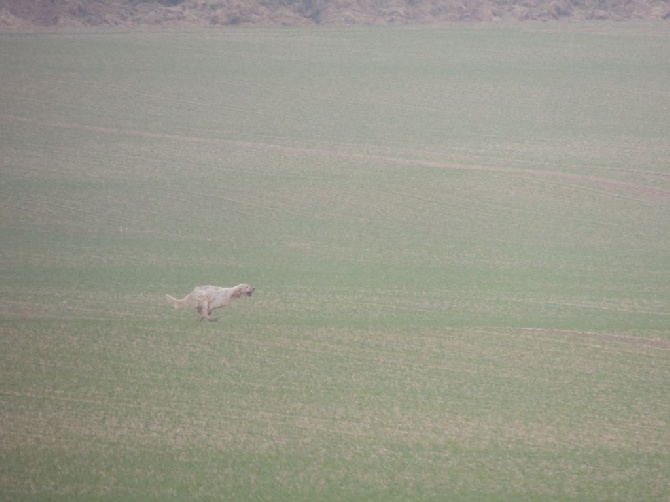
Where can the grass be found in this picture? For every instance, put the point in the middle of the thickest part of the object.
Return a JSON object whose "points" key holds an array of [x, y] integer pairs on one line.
{"points": [[458, 237]]}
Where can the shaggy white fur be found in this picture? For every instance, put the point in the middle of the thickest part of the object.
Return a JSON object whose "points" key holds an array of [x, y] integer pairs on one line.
{"points": [[209, 298]]}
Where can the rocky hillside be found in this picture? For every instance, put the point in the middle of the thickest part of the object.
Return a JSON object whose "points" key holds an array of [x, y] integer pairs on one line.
{"points": [[72, 13]]}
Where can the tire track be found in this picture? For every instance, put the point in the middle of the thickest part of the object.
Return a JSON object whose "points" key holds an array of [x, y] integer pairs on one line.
{"points": [[632, 340], [644, 191]]}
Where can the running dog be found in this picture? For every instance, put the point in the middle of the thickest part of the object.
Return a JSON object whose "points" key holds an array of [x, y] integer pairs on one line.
{"points": [[209, 298]]}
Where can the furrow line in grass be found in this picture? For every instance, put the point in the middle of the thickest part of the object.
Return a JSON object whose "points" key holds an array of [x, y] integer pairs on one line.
{"points": [[226, 429], [54, 206], [109, 87], [19, 310], [251, 413], [363, 356], [657, 193], [634, 340], [649, 192], [624, 186], [598, 307], [256, 203], [486, 209]]}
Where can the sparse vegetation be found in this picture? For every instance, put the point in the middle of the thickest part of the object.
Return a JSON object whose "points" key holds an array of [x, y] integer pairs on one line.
{"points": [[458, 238]]}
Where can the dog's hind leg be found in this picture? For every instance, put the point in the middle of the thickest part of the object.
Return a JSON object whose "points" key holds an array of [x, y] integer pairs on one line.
{"points": [[203, 310], [209, 315]]}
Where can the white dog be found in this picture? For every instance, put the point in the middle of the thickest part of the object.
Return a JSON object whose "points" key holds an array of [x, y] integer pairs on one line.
{"points": [[209, 298]]}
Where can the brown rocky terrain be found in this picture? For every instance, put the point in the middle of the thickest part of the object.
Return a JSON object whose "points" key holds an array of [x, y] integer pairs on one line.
{"points": [[18, 14]]}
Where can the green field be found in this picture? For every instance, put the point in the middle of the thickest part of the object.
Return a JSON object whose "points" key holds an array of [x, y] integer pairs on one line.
{"points": [[459, 236]]}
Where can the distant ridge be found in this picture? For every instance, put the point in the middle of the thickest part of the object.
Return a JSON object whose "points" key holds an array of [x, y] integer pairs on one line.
{"points": [[72, 13]]}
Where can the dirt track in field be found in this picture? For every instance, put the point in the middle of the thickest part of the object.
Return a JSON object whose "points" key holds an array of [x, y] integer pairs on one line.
{"points": [[625, 187]]}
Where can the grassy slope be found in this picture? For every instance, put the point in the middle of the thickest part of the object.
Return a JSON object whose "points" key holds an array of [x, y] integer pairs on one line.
{"points": [[459, 239]]}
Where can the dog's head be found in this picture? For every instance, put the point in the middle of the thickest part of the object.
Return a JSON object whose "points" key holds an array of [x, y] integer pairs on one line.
{"points": [[246, 289]]}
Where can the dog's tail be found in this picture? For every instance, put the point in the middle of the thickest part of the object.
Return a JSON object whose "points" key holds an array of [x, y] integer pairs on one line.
{"points": [[178, 303]]}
